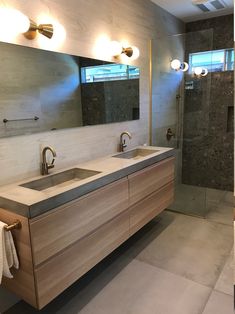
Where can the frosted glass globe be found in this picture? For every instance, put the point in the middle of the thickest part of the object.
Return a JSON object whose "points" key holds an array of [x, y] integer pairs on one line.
{"points": [[175, 64], [115, 48], [136, 53], [198, 71], [13, 22]]}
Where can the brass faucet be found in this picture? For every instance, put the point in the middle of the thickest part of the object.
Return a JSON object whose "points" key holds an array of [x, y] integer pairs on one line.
{"points": [[45, 166], [123, 141]]}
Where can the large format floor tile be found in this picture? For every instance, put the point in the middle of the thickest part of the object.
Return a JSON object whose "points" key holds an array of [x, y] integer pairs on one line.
{"points": [[191, 247], [225, 281], [219, 303], [127, 287], [221, 210], [140, 288], [212, 204]]}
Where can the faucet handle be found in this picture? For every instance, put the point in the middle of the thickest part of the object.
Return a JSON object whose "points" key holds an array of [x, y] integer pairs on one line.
{"points": [[50, 166], [124, 144]]}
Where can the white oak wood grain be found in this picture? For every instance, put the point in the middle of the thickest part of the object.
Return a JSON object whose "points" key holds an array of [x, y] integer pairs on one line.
{"points": [[53, 232], [150, 179], [61, 271], [145, 210]]}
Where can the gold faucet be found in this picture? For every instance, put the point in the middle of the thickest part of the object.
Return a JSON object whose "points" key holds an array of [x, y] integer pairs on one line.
{"points": [[123, 141], [45, 166]]}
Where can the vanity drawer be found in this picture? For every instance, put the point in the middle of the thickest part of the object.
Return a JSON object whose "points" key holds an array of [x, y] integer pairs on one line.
{"points": [[53, 232], [54, 276], [150, 179], [145, 210]]}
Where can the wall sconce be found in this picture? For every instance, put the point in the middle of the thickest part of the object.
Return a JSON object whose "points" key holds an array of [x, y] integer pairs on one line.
{"points": [[177, 65], [117, 49], [200, 72], [13, 22], [44, 29]]}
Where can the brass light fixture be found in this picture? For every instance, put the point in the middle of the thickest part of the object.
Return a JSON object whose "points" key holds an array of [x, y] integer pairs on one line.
{"points": [[117, 49], [177, 65], [128, 51], [200, 72], [44, 29]]}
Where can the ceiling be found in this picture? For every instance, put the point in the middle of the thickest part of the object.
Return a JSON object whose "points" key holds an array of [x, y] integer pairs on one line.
{"points": [[186, 11]]}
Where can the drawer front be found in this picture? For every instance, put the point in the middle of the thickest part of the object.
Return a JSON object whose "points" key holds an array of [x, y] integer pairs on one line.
{"points": [[150, 179], [67, 224], [23, 283], [61, 271], [151, 206]]}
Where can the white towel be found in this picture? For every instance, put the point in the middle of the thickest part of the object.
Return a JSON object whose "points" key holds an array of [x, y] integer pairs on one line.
{"points": [[8, 255]]}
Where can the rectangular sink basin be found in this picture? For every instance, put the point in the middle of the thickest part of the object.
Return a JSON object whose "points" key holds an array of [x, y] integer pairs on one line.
{"points": [[137, 153], [61, 179]]}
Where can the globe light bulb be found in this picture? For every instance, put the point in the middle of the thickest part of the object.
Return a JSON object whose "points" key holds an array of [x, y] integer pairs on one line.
{"points": [[136, 53], [198, 71], [115, 48], [176, 64], [13, 22]]}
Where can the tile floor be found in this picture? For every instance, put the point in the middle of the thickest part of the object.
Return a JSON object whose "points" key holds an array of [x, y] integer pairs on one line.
{"points": [[203, 202], [176, 264]]}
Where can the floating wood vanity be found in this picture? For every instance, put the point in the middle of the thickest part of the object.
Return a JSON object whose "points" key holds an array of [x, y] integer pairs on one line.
{"points": [[58, 246]]}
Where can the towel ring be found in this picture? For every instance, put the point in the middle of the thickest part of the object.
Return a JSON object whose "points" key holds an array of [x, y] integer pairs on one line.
{"points": [[16, 225]]}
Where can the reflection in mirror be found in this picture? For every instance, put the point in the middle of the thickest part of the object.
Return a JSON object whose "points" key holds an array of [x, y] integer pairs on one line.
{"points": [[43, 90]]}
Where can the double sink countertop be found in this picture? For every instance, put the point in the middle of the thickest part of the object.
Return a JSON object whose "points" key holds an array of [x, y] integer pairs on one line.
{"points": [[35, 196]]}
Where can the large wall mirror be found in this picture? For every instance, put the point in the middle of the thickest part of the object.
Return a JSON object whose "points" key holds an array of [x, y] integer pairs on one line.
{"points": [[43, 90]]}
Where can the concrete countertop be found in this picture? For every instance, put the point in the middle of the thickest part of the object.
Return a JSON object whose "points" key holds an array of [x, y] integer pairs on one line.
{"points": [[31, 203]]}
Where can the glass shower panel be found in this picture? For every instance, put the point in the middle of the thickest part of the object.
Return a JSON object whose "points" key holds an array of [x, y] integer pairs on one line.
{"points": [[181, 103]]}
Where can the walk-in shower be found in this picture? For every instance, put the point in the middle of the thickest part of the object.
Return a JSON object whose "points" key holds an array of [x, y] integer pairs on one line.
{"points": [[193, 112]]}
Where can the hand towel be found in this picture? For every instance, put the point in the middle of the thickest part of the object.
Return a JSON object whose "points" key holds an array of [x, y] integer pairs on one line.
{"points": [[8, 255]]}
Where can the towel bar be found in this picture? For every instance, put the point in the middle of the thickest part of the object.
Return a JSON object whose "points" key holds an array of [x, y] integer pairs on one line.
{"points": [[15, 225]]}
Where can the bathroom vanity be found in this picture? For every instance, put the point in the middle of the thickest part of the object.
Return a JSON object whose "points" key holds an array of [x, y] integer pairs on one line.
{"points": [[74, 218]]}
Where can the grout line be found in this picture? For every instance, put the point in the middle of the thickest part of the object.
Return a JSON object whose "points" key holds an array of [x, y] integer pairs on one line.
{"points": [[214, 290], [171, 272], [199, 217], [231, 295], [207, 301]]}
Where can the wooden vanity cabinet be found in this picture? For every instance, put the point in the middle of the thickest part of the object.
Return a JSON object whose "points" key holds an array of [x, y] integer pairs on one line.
{"points": [[59, 272], [65, 225], [151, 190], [150, 179], [145, 210], [56, 248]]}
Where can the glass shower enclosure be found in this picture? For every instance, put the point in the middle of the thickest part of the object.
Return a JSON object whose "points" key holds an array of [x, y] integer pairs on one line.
{"points": [[192, 111]]}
